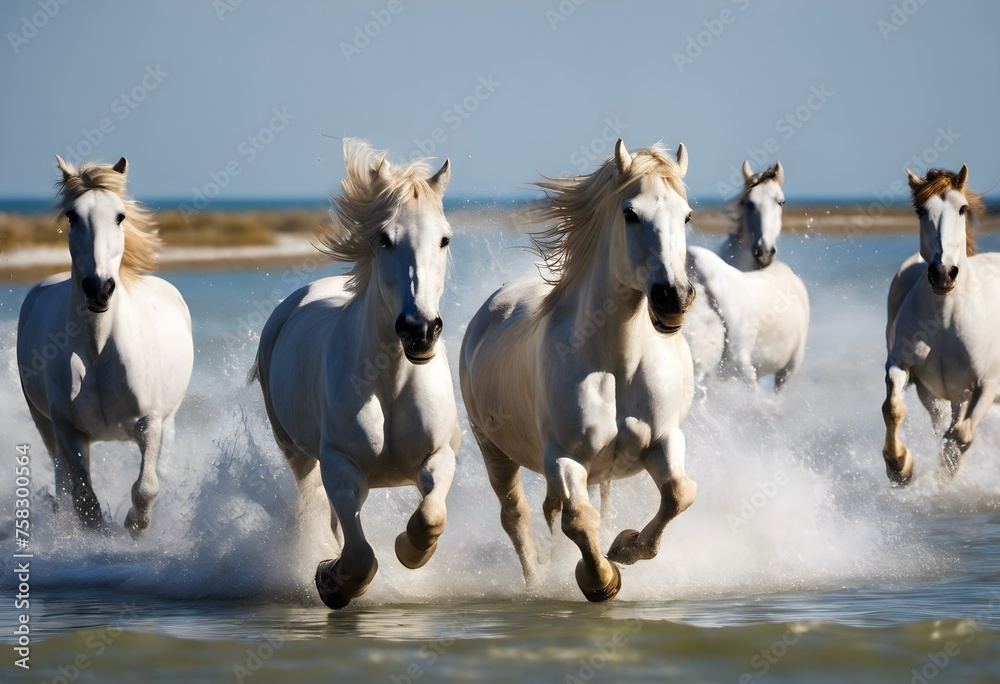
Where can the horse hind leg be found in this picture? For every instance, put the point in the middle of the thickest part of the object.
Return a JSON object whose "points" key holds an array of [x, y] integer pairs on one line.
{"points": [[149, 435], [515, 514], [416, 545], [338, 581]]}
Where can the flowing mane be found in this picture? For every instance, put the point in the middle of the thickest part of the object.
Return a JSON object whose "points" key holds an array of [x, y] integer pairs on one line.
{"points": [[580, 207], [142, 245], [937, 183], [372, 192]]}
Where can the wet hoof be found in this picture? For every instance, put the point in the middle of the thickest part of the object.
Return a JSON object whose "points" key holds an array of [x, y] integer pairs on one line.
{"points": [[409, 555], [899, 478], [135, 526], [606, 593], [335, 588], [626, 548]]}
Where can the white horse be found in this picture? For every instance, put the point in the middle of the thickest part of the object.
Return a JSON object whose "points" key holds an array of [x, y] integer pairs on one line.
{"points": [[352, 371], [104, 351], [942, 334], [751, 317], [583, 377]]}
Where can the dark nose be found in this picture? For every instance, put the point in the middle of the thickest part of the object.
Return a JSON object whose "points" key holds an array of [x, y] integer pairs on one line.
{"points": [[941, 278], [418, 335], [763, 256], [98, 292], [668, 301]]}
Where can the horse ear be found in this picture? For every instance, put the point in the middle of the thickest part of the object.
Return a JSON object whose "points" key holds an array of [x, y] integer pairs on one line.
{"points": [[623, 159], [68, 170], [682, 158], [379, 171], [747, 171], [963, 175], [915, 180], [439, 181], [121, 166], [779, 173]]}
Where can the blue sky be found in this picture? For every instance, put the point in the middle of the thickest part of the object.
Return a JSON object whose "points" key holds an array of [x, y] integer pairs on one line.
{"points": [[229, 98]]}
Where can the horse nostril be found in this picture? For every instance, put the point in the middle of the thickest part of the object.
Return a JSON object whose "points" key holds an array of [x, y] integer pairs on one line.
{"points": [[772, 251], [953, 272], [437, 327], [89, 286], [110, 286], [658, 296]]}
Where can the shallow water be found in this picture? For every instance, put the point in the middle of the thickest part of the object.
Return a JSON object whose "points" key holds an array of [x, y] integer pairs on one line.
{"points": [[796, 563]]}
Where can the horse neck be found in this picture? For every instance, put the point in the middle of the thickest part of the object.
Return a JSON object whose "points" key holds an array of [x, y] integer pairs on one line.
{"points": [[368, 317], [737, 250], [610, 317]]}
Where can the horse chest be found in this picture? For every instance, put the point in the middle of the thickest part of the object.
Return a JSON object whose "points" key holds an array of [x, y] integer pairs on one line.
{"points": [[102, 398]]}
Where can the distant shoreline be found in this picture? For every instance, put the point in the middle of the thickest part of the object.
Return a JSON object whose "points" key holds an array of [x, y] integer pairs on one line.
{"points": [[33, 245]]}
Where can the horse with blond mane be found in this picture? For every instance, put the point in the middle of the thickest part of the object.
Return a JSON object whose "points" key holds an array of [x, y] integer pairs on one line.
{"points": [[392, 427], [941, 335], [104, 351], [582, 375]]}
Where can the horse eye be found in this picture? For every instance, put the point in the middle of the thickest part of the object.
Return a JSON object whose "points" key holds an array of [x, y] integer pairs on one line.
{"points": [[72, 216], [445, 241], [687, 219], [385, 240], [631, 216], [121, 217], [964, 210], [781, 203]]}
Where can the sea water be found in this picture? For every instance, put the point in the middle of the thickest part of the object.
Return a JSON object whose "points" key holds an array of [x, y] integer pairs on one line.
{"points": [[797, 562]]}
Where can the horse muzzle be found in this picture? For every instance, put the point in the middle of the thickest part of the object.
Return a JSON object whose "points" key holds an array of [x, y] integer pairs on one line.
{"points": [[98, 293], [764, 257], [418, 337], [667, 308], [941, 278]]}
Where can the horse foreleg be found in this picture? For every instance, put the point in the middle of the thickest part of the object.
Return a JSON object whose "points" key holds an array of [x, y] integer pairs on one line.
{"points": [[417, 544], [597, 577], [338, 581], [515, 514], [966, 418], [898, 462], [665, 464], [149, 435], [74, 450], [64, 483]]}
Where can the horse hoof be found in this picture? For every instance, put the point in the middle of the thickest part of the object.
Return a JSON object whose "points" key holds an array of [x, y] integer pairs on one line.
{"points": [[330, 582], [606, 593], [625, 548], [134, 527], [409, 555], [898, 478]]}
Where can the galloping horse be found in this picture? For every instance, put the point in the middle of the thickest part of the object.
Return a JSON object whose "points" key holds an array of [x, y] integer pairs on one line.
{"points": [[751, 317], [941, 333], [121, 349], [583, 376], [392, 427]]}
